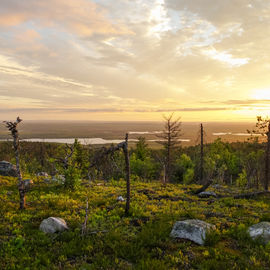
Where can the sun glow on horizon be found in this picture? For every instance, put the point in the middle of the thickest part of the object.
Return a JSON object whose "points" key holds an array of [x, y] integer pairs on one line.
{"points": [[261, 94]]}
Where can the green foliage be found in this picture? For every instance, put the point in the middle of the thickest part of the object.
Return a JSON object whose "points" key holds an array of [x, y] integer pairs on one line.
{"points": [[142, 165], [72, 177], [212, 238], [144, 169], [184, 169], [241, 181]]}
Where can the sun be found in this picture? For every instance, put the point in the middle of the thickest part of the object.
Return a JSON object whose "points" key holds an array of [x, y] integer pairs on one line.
{"points": [[261, 94]]}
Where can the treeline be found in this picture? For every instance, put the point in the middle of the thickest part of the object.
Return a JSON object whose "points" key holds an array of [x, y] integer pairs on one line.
{"points": [[238, 163]]}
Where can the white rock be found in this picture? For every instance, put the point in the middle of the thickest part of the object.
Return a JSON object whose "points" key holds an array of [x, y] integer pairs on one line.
{"points": [[53, 224], [260, 230], [44, 174], [120, 199], [191, 229]]}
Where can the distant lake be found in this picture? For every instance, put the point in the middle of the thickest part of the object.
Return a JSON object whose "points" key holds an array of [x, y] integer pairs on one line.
{"points": [[100, 133], [71, 140], [97, 141], [86, 141]]}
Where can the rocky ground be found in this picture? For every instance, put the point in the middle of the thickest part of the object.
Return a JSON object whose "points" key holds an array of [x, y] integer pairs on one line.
{"points": [[142, 240]]}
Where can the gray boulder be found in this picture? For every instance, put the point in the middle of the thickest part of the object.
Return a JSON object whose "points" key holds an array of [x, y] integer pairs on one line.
{"points": [[191, 229], [7, 169], [53, 225], [207, 194], [260, 230]]}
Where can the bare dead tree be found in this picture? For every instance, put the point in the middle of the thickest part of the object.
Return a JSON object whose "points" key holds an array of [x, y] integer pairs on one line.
{"points": [[12, 127], [169, 138], [263, 128], [69, 151]]}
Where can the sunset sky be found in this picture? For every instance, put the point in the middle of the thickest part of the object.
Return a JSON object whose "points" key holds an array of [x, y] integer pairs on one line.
{"points": [[135, 59]]}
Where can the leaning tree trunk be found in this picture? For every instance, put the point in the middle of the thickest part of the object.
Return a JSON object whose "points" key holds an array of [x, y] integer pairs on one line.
{"points": [[125, 148], [19, 175], [12, 127], [267, 158]]}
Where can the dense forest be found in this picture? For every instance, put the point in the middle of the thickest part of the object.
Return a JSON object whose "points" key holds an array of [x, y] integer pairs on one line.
{"points": [[89, 187]]}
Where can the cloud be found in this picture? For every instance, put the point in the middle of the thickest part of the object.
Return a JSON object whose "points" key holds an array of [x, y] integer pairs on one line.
{"points": [[112, 110], [81, 17], [135, 56]]}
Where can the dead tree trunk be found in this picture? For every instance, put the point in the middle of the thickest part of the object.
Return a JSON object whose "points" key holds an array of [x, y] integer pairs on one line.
{"points": [[204, 187], [125, 149], [170, 140], [12, 127], [201, 156], [267, 158]]}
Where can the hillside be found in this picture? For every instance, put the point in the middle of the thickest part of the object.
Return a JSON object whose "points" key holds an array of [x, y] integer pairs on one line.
{"points": [[140, 241]]}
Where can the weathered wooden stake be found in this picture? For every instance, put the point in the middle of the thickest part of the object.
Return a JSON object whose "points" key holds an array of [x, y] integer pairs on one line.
{"points": [[84, 226], [201, 156], [267, 158], [125, 149]]}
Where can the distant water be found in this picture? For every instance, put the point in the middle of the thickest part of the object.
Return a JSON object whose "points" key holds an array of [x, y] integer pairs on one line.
{"points": [[114, 132], [87, 141], [233, 134], [94, 141], [81, 140]]}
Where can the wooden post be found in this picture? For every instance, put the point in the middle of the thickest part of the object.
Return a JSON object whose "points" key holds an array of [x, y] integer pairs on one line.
{"points": [[201, 156], [125, 149]]}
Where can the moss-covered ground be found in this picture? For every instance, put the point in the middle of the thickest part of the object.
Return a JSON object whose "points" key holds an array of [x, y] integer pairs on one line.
{"points": [[139, 241]]}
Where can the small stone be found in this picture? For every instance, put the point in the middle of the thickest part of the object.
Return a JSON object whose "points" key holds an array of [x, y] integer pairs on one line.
{"points": [[191, 229], [260, 230], [27, 183], [44, 174], [120, 199], [207, 194], [53, 225]]}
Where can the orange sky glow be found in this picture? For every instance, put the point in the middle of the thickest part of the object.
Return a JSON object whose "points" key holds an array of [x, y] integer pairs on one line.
{"points": [[135, 60]]}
